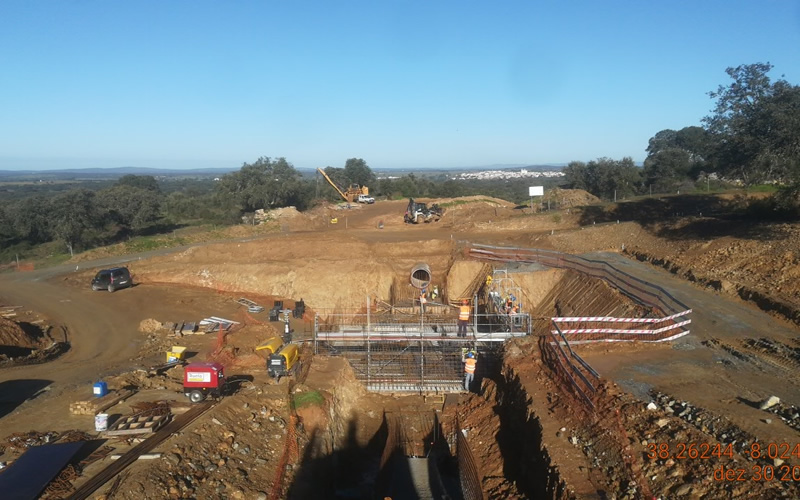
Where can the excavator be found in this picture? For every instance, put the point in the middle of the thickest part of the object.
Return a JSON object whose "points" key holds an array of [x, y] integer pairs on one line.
{"points": [[352, 194], [420, 212]]}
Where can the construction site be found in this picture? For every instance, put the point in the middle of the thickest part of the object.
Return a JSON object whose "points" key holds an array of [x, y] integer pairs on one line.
{"points": [[616, 355]]}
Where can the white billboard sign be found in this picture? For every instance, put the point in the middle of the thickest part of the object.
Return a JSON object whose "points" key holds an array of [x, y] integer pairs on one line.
{"points": [[198, 377], [536, 191]]}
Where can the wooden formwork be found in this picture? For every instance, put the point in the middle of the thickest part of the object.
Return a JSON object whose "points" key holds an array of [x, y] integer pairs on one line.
{"points": [[137, 425]]}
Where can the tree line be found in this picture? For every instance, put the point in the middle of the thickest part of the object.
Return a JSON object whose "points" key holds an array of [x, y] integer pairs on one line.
{"points": [[752, 136], [82, 218]]}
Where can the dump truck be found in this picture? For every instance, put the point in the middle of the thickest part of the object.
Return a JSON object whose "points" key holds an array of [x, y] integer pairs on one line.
{"points": [[420, 212]]}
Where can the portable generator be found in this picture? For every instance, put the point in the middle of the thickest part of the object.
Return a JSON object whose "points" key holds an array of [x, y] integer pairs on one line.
{"points": [[284, 361]]}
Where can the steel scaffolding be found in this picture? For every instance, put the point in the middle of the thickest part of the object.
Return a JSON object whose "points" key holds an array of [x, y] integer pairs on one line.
{"points": [[411, 352]]}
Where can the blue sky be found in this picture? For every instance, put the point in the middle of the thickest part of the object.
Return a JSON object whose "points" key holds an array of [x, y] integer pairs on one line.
{"points": [[181, 84]]}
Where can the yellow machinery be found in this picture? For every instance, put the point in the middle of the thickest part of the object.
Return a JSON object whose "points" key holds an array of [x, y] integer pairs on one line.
{"points": [[352, 192], [284, 362], [269, 347], [176, 354]]}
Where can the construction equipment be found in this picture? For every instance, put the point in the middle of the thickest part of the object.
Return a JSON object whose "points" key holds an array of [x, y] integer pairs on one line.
{"points": [[269, 347], [250, 305], [203, 379], [420, 212], [353, 191], [284, 362], [176, 353], [299, 308]]}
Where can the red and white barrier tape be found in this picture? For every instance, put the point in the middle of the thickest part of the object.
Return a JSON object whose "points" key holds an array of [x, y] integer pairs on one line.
{"points": [[610, 319], [614, 330]]}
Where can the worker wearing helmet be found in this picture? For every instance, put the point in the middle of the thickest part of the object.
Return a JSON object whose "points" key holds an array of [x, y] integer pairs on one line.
{"points": [[463, 318], [470, 362]]}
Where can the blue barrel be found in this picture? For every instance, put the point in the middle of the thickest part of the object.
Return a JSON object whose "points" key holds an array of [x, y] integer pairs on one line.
{"points": [[100, 389]]}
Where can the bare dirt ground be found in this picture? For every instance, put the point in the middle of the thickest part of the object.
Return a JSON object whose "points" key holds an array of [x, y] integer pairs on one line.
{"points": [[739, 275]]}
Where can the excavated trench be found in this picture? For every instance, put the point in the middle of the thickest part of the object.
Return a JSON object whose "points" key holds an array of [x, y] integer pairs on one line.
{"points": [[527, 462], [491, 444]]}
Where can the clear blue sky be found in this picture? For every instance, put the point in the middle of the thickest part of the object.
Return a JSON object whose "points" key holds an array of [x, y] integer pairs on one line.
{"points": [[401, 84]]}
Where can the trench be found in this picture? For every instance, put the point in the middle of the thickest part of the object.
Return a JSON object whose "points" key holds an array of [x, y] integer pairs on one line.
{"points": [[423, 454], [407, 457], [527, 462], [438, 460]]}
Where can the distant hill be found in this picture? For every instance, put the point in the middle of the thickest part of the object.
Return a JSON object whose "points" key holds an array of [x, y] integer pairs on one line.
{"points": [[115, 173], [109, 173]]}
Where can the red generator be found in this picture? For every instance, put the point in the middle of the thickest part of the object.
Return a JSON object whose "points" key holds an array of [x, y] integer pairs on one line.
{"points": [[203, 379]]}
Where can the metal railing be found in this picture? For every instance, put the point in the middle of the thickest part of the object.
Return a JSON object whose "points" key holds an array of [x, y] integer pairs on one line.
{"points": [[468, 474], [635, 288]]}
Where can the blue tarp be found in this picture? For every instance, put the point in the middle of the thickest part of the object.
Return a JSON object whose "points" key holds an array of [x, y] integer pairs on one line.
{"points": [[33, 470]]}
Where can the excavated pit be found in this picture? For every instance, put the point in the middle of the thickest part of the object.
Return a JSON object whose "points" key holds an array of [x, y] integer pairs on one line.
{"points": [[515, 442], [522, 425]]}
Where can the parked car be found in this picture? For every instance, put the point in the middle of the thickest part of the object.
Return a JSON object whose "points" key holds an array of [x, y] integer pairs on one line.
{"points": [[112, 279], [364, 198]]}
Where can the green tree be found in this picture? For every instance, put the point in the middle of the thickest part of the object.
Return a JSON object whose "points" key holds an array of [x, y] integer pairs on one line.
{"points": [[356, 171], [146, 182], [30, 219], [265, 184], [130, 208], [73, 214], [605, 178], [576, 176], [667, 168], [755, 126], [7, 232]]}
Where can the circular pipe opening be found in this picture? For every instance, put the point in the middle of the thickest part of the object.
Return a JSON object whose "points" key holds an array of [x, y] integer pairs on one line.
{"points": [[420, 275]]}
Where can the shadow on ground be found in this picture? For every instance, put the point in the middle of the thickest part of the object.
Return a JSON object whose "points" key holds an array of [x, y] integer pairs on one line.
{"points": [[13, 393], [684, 217]]}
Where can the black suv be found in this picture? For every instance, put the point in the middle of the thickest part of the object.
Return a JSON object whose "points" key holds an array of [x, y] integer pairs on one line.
{"points": [[112, 279]]}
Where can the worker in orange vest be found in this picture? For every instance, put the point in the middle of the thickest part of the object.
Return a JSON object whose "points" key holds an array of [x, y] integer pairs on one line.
{"points": [[463, 318], [469, 369]]}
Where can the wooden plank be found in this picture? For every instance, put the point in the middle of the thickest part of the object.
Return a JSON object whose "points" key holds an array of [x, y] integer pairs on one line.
{"points": [[98, 405], [86, 489], [123, 395], [137, 425]]}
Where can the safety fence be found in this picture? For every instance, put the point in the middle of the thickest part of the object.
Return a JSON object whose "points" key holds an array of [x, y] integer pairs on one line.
{"points": [[580, 384], [572, 370], [635, 288], [582, 330], [468, 474], [288, 457]]}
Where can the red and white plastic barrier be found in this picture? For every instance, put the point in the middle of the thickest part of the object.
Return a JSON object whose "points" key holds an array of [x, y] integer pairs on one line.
{"points": [[611, 319]]}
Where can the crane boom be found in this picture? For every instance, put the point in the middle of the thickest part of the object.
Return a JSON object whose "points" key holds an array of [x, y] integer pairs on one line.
{"points": [[338, 190]]}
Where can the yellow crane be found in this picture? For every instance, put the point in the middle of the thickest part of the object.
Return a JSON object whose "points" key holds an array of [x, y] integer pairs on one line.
{"points": [[352, 192]]}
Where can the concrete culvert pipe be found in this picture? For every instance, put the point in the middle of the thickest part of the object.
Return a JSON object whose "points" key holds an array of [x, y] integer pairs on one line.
{"points": [[420, 275]]}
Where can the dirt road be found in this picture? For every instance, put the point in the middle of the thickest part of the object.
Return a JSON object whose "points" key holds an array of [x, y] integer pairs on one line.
{"points": [[694, 370], [102, 329]]}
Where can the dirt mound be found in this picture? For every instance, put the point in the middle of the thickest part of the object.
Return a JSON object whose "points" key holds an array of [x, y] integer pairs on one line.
{"points": [[470, 200], [567, 198], [150, 325], [261, 216], [11, 334]]}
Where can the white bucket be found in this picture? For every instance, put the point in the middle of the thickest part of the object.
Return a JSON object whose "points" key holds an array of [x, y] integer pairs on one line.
{"points": [[101, 422]]}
